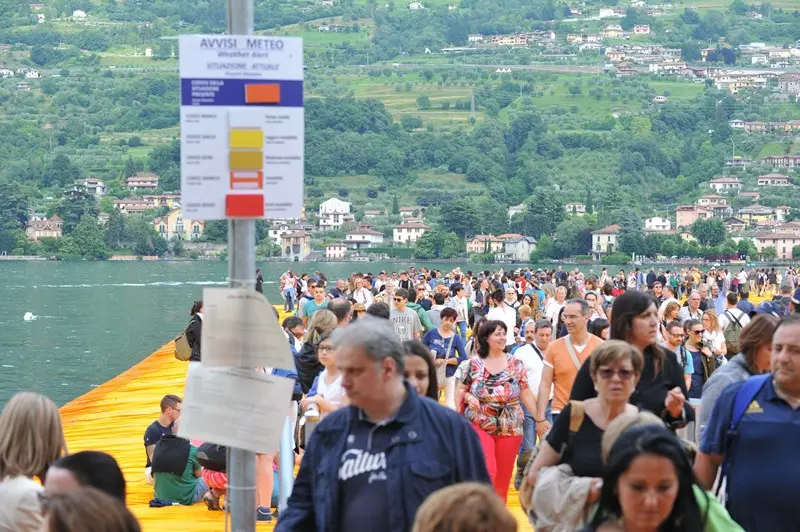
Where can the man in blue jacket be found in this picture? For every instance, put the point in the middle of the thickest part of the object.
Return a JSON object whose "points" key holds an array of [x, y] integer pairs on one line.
{"points": [[378, 459]]}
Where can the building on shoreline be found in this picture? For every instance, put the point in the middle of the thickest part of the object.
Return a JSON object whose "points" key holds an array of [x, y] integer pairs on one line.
{"points": [[605, 241], [363, 237], [408, 233], [50, 228], [296, 245], [172, 226]]}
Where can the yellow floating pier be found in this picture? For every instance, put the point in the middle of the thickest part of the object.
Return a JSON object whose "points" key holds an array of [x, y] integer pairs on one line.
{"points": [[113, 417]]}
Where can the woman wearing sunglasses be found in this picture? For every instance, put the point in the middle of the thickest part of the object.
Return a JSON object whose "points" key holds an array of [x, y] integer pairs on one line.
{"points": [[615, 369], [702, 358]]}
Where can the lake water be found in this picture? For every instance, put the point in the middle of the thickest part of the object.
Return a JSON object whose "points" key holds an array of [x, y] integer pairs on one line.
{"points": [[97, 319]]}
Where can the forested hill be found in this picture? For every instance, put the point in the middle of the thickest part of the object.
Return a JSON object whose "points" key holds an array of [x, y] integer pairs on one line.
{"points": [[392, 113]]}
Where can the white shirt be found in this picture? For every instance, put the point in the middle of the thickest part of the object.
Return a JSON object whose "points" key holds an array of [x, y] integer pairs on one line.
{"points": [[363, 296], [333, 392], [533, 366], [20, 510], [508, 316], [743, 318], [552, 310]]}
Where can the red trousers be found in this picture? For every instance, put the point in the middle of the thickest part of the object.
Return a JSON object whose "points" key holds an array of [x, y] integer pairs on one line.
{"points": [[500, 453]]}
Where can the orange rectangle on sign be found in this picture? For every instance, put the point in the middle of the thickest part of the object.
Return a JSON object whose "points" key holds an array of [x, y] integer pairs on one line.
{"points": [[247, 180], [262, 93], [244, 206]]}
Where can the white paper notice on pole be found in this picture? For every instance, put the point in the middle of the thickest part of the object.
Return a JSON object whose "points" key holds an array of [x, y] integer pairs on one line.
{"points": [[242, 126], [240, 330], [235, 407]]}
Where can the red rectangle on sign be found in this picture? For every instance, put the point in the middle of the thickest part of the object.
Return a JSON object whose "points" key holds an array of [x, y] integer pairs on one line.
{"points": [[262, 93], [244, 206]]}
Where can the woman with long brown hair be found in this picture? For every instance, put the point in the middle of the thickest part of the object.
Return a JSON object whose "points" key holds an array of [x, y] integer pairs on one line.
{"points": [[661, 388]]}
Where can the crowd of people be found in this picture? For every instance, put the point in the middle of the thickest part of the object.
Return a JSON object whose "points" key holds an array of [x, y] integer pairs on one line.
{"points": [[647, 401]]}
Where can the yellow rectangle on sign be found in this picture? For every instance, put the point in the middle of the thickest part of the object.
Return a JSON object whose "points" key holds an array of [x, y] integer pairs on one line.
{"points": [[246, 160], [247, 138]]}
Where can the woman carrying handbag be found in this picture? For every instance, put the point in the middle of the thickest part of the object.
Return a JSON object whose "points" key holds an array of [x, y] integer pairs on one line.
{"points": [[448, 350]]}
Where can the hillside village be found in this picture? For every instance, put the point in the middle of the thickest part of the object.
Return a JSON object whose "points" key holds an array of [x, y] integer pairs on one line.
{"points": [[724, 198]]}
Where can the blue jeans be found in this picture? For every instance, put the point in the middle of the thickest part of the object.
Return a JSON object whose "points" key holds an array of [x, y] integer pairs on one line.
{"points": [[200, 489], [529, 429], [288, 300], [462, 329]]}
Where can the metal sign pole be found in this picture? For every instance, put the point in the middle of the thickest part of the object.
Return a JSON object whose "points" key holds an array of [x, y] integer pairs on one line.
{"points": [[241, 266]]}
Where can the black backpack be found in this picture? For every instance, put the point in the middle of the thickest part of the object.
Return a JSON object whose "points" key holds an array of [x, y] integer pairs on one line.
{"points": [[212, 456]]}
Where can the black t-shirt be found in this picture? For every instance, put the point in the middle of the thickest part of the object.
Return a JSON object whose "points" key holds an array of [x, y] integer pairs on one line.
{"points": [[651, 391], [584, 457], [153, 434], [363, 475]]}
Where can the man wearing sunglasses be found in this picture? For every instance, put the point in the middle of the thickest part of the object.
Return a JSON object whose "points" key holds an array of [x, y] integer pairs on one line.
{"points": [[702, 358], [407, 324], [674, 342]]}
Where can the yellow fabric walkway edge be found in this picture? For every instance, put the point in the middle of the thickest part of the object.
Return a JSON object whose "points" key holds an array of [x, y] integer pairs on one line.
{"points": [[113, 417]]}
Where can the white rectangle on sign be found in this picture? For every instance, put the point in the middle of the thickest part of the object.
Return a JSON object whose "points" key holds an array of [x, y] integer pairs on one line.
{"points": [[235, 407], [241, 113], [240, 330]]}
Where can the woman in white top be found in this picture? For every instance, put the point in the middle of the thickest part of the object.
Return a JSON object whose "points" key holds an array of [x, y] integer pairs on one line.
{"points": [[714, 335], [31, 439], [555, 305], [500, 311], [326, 392]]}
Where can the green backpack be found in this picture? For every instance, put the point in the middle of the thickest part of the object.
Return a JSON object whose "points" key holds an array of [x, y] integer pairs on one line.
{"points": [[732, 333]]}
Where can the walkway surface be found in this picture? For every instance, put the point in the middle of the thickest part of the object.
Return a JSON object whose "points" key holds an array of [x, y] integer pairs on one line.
{"points": [[113, 417]]}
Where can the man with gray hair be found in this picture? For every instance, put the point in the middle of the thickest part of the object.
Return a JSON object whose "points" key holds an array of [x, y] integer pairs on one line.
{"points": [[692, 310], [375, 461]]}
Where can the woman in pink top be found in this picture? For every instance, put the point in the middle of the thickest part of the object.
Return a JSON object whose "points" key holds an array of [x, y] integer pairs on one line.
{"points": [[493, 389]]}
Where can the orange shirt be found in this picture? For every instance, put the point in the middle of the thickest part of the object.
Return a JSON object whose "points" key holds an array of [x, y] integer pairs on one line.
{"points": [[564, 370]]}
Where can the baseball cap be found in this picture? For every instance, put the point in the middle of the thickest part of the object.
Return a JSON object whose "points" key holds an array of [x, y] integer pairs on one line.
{"points": [[768, 307], [796, 297]]}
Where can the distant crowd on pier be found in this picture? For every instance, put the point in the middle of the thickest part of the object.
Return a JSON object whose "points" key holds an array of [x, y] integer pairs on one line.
{"points": [[631, 401]]}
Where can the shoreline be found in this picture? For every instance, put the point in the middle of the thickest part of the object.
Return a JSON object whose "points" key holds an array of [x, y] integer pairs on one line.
{"points": [[133, 258]]}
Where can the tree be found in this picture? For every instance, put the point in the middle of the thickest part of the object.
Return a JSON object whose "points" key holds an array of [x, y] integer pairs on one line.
{"points": [[88, 238], [745, 248], [178, 248], [437, 243], [423, 103], [115, 230], [461, 217], [573, 237], [395, 205], [631, 232], [59, 172], [74, 205], [542, 215], [769, 253], [410, 123], [216, 231], [13, 207], [544, 249], [709, 232], [268, 248], [796, 252], [574, 90], [589, 204]]}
